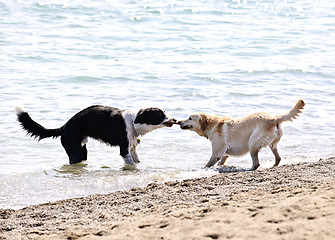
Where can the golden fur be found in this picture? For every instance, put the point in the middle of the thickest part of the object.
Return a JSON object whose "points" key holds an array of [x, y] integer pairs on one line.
{"points": [[236, 136]]}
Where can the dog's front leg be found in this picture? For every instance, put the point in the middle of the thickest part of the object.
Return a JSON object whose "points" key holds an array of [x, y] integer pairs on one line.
{"points": [[128, 159], [134, 154], [214, 159], [218, 148], [223, 160], [125, 152]]}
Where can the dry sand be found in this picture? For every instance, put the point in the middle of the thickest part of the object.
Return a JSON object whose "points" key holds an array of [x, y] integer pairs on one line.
{"points": [[288, 202]]}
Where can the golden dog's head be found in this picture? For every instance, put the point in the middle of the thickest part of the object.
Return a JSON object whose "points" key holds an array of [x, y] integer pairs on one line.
{"points": [[196, 122]]}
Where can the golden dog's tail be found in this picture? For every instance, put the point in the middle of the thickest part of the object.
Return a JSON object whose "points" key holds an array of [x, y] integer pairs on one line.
{"points": [[294, 113]]}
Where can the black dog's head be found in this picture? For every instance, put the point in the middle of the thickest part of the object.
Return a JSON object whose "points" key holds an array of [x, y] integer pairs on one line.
{"points": [[153, 116], [149, 119]]}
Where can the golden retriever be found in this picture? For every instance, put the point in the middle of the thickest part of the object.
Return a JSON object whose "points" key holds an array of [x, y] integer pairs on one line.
{"points": [[236, 136]]}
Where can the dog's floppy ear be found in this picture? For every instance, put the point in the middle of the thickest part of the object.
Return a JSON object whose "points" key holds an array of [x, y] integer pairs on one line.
{"points": [[203, 121]]}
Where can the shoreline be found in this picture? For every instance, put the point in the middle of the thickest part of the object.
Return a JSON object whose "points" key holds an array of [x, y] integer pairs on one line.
{"points": [[290, 201]]}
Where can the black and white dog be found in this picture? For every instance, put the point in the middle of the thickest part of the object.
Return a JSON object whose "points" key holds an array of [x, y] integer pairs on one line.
{"points": [[110, 125]]}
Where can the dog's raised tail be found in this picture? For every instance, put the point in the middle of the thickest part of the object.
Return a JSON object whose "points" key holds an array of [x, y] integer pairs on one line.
{"points": [[294, 113], [33, 128]]}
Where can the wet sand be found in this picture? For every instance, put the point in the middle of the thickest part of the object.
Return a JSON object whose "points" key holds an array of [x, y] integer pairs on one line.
{"points": [[288, 202]]}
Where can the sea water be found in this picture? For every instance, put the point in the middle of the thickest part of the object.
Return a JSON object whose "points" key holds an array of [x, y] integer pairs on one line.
{"points": [[223, 57]]}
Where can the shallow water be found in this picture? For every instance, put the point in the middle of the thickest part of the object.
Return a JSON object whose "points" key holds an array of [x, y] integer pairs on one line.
{"points": [[229, 58]]}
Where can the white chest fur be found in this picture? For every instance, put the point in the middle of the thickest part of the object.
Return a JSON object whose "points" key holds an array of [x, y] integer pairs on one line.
{"points": [[129, 118]]}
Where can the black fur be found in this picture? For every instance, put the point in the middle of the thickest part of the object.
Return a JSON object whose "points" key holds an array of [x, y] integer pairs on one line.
{"points": [[99, 122], [36, 130], [153, 116]]}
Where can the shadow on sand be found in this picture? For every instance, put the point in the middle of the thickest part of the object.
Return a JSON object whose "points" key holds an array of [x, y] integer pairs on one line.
{"points": [[231, 169]]}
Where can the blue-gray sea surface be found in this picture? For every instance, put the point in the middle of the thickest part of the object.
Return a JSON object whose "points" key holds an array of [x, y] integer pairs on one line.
{"points": [[223, 57]]}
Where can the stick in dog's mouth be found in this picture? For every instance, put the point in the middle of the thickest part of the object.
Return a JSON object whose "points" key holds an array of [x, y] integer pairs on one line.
{"points": [[169, 122]]}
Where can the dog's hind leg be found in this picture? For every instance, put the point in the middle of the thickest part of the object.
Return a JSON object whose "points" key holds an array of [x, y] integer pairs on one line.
{"points": [[274, 150], [73, 148], [255, 144], [273, 146], [84, 152], [75, 154]]}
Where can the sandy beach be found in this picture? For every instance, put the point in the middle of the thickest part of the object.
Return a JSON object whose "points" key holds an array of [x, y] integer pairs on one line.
{"points": [[288, 202]]}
